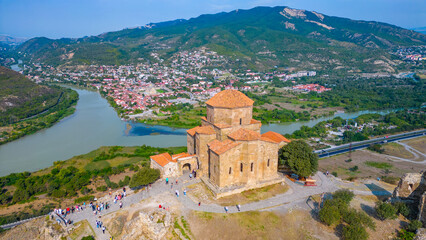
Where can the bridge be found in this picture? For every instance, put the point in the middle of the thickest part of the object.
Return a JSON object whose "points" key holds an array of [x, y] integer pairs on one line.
{"points": [[363, 144]]}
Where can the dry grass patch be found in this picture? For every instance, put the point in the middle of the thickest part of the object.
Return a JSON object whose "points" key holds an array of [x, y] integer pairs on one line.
{"points": [[397, 150], [200, 193], [417, 143], [83, 229], [297, 224]]}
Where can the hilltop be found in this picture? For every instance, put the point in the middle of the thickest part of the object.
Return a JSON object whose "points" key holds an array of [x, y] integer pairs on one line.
{"points": [[258, 38]]}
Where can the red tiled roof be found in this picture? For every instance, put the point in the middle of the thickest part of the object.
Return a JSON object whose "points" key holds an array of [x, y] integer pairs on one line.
{"points": [[276, 137], [162, 159], [182, 155], [220, 147], [243, 134], [253, 121], [230, 99], [201, 130]]}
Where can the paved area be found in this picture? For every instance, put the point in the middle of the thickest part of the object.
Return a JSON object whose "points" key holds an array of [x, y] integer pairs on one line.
{"points": [[297, 195]]}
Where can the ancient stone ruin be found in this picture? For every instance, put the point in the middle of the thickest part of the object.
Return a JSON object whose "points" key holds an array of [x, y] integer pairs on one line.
{"points": [[412, 186]]}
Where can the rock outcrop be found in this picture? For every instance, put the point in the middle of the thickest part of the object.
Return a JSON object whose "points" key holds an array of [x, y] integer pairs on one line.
{"points": [[140, 225], [412, 186]]}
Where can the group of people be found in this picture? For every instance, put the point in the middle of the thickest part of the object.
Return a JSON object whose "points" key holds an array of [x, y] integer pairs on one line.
{"points": [[97, 208], [99, 224], [238, 206]]}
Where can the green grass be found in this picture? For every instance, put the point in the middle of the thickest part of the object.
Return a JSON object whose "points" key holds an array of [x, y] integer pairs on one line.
{"points": [[177, 226], [380, 165]]}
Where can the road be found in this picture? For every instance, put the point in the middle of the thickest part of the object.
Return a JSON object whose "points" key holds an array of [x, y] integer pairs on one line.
{"points": [[364, 144]]}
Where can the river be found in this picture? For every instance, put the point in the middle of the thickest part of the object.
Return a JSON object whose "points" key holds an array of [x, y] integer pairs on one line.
{"points": [[95, 124]]}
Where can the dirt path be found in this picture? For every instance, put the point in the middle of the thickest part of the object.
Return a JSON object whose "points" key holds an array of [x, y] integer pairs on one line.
{"points": [[412, 150]]}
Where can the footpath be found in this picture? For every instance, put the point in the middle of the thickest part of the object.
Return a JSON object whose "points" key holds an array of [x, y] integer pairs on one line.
{"points": [[296, 194]]}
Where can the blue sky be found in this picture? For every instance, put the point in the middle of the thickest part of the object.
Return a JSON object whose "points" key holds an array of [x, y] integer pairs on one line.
{"points": [[78, 18]]}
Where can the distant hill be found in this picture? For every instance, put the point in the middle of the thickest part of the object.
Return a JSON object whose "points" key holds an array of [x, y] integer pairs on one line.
{"points": [[11, 41], [258, 38], [420, 30], [21, 98]]}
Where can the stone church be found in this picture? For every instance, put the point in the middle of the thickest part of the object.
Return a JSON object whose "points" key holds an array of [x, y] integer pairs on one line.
{"points": [[227, 151]]}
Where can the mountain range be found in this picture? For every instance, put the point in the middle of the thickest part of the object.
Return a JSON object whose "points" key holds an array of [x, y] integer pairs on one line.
{"points": [[258, 38]]}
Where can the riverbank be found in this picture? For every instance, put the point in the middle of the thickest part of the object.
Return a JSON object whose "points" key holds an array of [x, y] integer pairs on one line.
{"points": [[30, 125]]}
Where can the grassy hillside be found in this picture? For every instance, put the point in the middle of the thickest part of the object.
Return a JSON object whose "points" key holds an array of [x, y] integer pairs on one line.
{"points": [[261, 38], [20, 98]]}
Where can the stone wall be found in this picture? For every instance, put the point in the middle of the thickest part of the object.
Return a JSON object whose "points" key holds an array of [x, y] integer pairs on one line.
{"points": [[190, 143], [246, 164], [169, 170], [422, 209], [411, 185], [201, 141], [230, 116]]}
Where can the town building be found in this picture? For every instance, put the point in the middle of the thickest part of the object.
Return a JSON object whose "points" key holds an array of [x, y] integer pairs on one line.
{"points": [[227, 151]]}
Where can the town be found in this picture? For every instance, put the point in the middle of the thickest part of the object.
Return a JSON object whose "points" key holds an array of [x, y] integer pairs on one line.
{"points": [[189, 77]]}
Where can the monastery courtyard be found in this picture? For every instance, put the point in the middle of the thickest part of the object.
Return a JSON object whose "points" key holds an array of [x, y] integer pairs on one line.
{"points": [[296, 197]]}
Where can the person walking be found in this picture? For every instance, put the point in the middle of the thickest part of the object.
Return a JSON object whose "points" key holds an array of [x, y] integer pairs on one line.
{"points": [[103, 229], [239, 207], [167, 180], [226, 209], [121, 204], [184, 192], [199, 203]]}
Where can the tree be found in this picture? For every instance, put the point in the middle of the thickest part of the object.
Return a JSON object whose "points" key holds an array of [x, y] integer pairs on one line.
{"points": [[330, 213], [385, 210], [144, 176], [299, 157], [344, 194]]}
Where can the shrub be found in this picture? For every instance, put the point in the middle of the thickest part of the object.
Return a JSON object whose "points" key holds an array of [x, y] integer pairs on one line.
{"points": [[406, 235], [84, 199], [344, 194], [101, 188], [385, 210], [88, 238], [353, 217], [353, 169], [334, 174], [354, 232], [330, 213], [144, 176], [402, 209], [414, 225], [376, 148]]}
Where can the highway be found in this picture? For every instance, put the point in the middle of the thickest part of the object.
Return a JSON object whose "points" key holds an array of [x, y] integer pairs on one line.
{"points": [[363, 144]]}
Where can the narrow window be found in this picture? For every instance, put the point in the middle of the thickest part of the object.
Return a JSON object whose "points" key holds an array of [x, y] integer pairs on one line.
{"points": [[241, 121], [230, 170], [251, 167], [241, 167], [268, 162]]}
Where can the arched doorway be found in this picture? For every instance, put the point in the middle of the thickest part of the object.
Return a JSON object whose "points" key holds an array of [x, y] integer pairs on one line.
{"points": [[186, 168]]}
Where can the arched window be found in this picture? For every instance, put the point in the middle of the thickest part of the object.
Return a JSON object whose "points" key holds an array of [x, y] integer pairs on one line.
{"points": [[251, 167], [241, 121], [230, 170], [241, 167], [268, 162]]}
